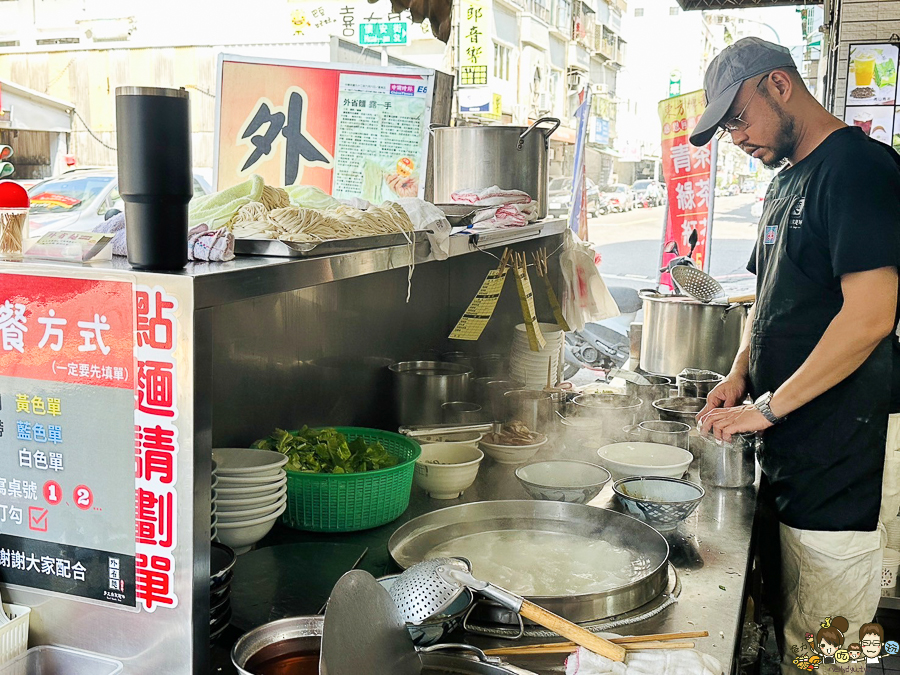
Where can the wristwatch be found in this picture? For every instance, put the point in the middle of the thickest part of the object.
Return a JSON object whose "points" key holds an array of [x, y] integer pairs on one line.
{"points": [[762, 404]]}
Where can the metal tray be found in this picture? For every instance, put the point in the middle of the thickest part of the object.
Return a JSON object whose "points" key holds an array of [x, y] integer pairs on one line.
{"points": [[412, 541], [292, 249]]}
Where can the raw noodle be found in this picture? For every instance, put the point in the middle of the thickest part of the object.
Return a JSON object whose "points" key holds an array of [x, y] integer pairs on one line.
{"points": [[290, 223]]}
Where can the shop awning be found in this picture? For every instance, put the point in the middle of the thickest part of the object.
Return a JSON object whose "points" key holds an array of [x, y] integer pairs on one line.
{"points": [[29, 110], [740, 4]]}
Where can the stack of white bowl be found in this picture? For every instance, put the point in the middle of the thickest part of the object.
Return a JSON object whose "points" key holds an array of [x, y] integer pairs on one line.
{"points": [[531, 367], [212, 502], [250, 496]]}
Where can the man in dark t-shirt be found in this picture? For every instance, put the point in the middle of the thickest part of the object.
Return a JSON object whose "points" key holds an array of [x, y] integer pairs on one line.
{"points": [[818, 355]]}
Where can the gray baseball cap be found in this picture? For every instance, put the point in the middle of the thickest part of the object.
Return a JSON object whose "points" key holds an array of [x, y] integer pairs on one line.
{"points": [[746, 58]]}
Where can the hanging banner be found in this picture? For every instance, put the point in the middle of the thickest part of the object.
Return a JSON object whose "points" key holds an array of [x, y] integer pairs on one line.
{"points": [[476, 46], [689, 174], [353, 132], [870, 100]]}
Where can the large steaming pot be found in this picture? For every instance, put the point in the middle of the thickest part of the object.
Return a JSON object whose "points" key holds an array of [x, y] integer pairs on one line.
{"points": [[513, 158], [680, 332]]}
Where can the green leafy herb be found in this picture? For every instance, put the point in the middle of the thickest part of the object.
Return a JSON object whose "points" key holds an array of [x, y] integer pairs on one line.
{"points": [[326, 451]]}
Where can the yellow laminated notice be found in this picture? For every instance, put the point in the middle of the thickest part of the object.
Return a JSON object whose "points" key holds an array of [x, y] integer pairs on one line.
{"points": [[540, 263], [474, 320], [536, 339]]}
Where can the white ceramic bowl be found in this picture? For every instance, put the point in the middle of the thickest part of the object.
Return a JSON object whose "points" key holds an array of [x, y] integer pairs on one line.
{"points": [[237, 481], [247, 462], [470, 439], [242, 535], [644, 459], [234, 515], [512, 454], [244, 491], [251, 502], [563, 480], [446, 470]]}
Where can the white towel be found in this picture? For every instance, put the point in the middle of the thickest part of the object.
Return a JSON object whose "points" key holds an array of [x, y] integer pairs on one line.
{"points": [[492, 196], [202, 244], [508, 215], [655, 662]]}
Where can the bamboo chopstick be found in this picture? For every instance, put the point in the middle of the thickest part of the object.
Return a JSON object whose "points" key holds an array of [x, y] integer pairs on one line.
{"points": [[536, 650], [633, 639]]}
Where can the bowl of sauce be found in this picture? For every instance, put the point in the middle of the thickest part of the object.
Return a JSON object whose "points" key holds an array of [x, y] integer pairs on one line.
{"points": [[285, 647]]}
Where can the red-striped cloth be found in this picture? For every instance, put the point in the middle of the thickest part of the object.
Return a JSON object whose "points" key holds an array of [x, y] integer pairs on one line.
{"points": [[492, 196]]}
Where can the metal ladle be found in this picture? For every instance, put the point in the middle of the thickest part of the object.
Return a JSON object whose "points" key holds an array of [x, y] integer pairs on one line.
{"points": [[701, 286], [429, 587]]}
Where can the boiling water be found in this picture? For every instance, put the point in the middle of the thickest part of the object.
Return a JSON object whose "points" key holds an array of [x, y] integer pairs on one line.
{"points": [[531, 562]]}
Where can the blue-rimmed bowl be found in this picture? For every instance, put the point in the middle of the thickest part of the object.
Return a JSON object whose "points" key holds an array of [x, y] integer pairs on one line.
{"points": [[659, 501], [563, 480]]}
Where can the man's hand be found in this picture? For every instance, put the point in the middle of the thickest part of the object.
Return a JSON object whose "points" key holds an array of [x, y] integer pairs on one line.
{"points": [[727, 394], [725, 422]]}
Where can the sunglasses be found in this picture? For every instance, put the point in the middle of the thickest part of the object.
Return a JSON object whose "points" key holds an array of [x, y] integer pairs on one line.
{"points": [[737, 123]]}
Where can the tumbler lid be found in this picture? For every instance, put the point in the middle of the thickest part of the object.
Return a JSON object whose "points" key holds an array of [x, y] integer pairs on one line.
{"points": [[152, 91], [13, 196]]}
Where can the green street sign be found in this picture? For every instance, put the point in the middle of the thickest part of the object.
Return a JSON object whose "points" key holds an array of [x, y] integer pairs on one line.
{"points": [[389, 33]]}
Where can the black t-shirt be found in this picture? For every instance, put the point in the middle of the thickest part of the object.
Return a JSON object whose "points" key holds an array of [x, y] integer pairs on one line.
{"points": [[850, 189]]}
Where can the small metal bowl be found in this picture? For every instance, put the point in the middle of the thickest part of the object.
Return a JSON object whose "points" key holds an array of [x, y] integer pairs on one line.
{"points": [[306, 630], [660, 502], [437, 627], [679, 409]]}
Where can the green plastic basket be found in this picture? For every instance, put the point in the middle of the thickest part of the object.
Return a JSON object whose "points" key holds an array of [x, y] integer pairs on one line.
{"points": [[326, 502]]}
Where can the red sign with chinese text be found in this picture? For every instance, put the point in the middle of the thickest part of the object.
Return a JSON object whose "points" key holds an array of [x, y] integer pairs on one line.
{"points": [[687, 173], [78, 331]]}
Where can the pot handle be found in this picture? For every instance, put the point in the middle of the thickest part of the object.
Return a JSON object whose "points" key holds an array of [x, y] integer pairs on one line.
{"points": [[547, 132], [480, 655]]}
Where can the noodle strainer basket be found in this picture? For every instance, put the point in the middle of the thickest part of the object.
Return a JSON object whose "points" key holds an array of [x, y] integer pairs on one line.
{"points": [[420, 592]]}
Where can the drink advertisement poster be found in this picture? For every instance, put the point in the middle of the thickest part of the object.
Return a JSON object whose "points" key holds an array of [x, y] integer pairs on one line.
{"points": [[351, 131], [689, 174], [871, 96]]}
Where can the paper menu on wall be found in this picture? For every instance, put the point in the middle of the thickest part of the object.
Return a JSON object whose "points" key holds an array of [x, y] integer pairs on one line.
{"points": [[380, 138]]}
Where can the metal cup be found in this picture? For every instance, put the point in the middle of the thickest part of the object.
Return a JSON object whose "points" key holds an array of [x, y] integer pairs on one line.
{"points": [[463, 358], [668, 433], [694, 383], [659, 387], [461, 412], [496, 390], [729, 465], [491, 365], [532, 408]]}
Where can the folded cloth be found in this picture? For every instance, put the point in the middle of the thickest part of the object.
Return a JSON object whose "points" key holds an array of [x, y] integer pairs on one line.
{"points": [[309, 197], [492, 196], [202, 244], [655, 662], [218, 209], [210, 245], [508, 215], [426, 217], [116, 227]]}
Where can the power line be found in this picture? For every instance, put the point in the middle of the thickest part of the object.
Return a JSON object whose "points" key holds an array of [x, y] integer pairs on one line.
{"points": [[91, 132]]}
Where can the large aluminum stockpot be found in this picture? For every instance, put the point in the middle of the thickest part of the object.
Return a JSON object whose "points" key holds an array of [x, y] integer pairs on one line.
{"points": [[412, 542], [478, 157], [422, 387], [680, 332]]}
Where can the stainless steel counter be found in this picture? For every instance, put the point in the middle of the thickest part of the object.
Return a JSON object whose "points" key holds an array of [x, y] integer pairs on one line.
{"points": [[710, 552]]}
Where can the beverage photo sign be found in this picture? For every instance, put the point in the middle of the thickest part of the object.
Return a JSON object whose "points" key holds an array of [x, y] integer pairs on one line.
{"points": [[871, 96]]}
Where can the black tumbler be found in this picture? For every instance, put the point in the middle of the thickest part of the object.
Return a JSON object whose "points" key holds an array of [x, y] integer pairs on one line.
{"points": [[153, 135]]}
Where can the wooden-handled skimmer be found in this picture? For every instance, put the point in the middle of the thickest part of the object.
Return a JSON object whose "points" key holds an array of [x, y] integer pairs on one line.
{"points": [[431, 586]]}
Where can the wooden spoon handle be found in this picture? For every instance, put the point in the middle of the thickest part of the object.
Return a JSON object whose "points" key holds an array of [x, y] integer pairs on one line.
{"points": [[742, 298], [576, 634]]}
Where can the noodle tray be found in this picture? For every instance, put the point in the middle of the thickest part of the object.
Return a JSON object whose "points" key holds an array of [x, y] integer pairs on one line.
{"points": [[546, 546], [295, 249]]}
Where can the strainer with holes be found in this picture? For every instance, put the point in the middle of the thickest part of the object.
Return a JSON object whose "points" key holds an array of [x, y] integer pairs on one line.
{"points": [[697, 283], [420, 593], [428, 587]]}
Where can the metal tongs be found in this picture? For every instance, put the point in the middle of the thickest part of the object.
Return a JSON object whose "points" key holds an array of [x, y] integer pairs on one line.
{"points": [[417, 431]]}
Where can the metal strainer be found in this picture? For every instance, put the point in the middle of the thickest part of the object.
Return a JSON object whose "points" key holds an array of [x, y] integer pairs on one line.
{"points": [[420, 592], [428, 587], [697, 283]]}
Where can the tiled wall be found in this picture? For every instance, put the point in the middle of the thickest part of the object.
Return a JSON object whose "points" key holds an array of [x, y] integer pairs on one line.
{"points": [[862, 21]]}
